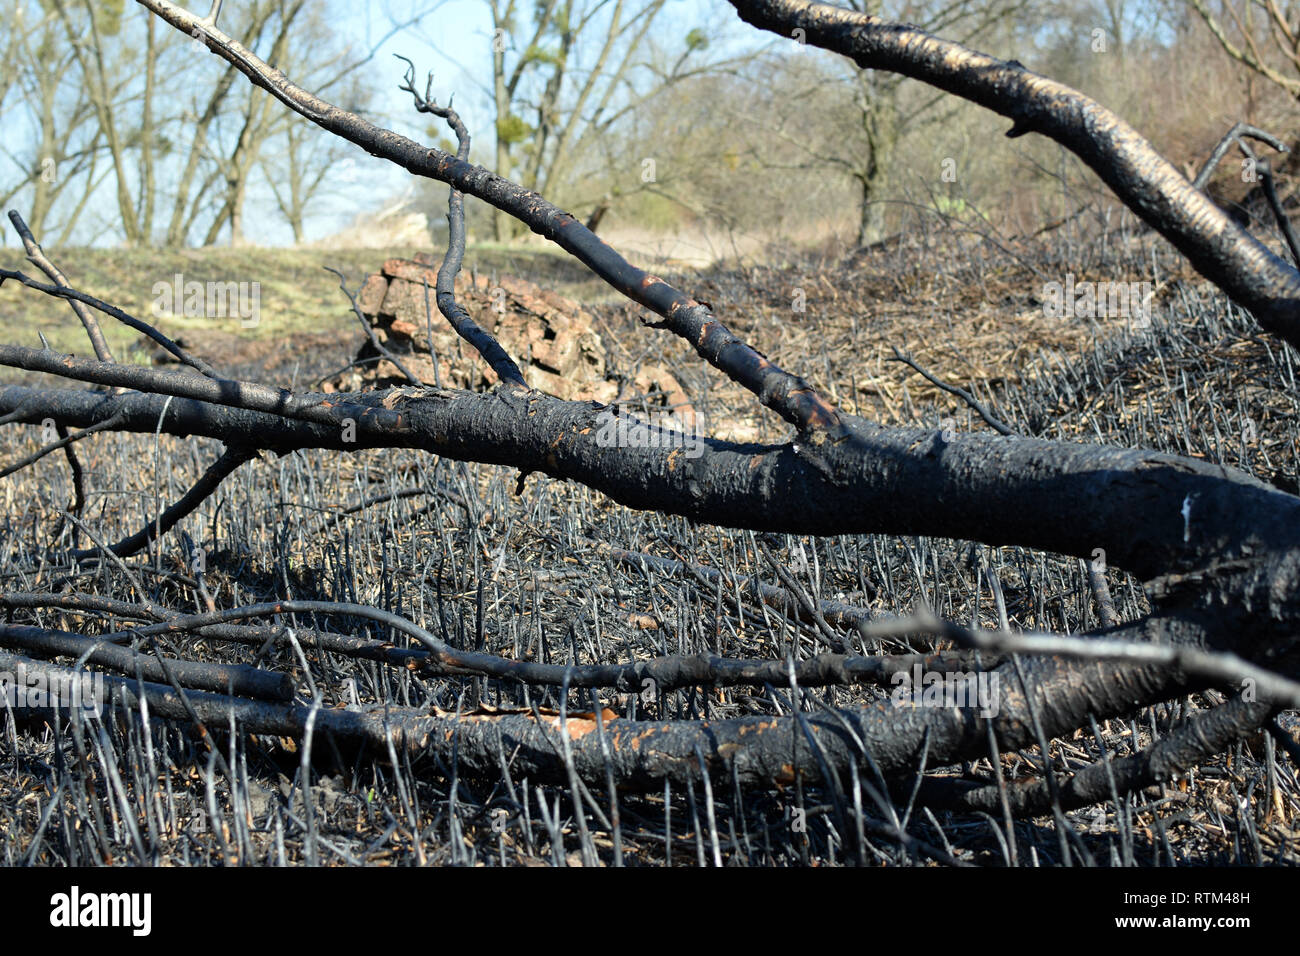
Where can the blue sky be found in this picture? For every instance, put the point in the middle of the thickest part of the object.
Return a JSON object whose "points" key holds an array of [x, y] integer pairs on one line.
{"points": [[452, 26], [452, 40]]}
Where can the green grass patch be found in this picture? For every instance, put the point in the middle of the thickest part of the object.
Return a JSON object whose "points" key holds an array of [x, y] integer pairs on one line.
{"points": [[295, 293]]}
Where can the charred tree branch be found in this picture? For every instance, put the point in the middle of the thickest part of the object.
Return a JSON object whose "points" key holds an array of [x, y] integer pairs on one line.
{"points": [[236, 679], [667, 673], [453, 312], [1152, 513], [37, 257], [74, 295], [642, 754], [976, 405], [370, 332], [201, 490], [1194, 741]]}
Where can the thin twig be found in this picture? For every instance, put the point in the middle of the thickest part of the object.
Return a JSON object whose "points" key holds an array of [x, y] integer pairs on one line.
{"points": [[370, 331], [74, 295], [483, 341], [203, 488], [37, 257], [989, 418]]}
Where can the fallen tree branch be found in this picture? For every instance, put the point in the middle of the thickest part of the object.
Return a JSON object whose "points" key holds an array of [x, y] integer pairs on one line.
{"points": [[754, 751], [1215, 546], [1222, 667], [664, 673], [1235, 135], [64, 441], [199, 492], [37, 257], [237, 679], [1054, 496], [370, 332], [1191, 743], [73, 295], [975, 404], [469, 330]]}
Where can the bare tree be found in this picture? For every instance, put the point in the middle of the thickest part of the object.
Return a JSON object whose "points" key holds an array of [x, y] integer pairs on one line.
{"points": [[1262, 36], [873, 119], [64, 154], [564, 77], [110, 118], [85, 27], [1215, 547]]}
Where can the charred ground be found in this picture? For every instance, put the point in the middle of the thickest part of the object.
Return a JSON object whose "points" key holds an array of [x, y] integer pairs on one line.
{"points": [[535, 574]]}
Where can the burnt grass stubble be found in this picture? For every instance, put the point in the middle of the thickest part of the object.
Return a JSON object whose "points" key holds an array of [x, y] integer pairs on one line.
{"points": [[465, 556]]}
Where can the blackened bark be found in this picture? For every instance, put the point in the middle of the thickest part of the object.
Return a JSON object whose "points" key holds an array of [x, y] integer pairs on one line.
{"points": [[219, 678], [199, 492], [759, 750], [860, 478], [1187, 745]]}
